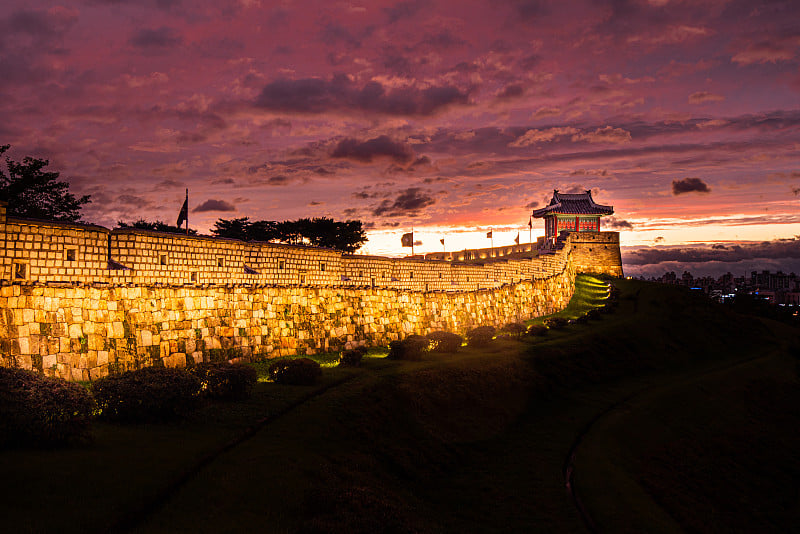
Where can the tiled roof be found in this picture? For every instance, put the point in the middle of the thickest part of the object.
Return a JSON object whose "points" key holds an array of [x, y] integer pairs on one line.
{"points": [[573, 204]]}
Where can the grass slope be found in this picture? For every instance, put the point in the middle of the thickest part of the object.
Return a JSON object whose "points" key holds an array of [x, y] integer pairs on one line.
{"points": [[476, 441]]}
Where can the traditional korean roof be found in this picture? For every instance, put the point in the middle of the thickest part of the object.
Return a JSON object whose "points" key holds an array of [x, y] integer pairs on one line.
{"points": [[573, 204]]}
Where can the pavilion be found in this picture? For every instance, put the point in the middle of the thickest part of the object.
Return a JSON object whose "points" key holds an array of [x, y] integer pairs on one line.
{"points": [[571, 213]]}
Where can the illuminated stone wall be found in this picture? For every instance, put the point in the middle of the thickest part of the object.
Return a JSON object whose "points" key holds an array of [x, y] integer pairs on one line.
{"points": [[89, 301], [56, 252], [596, 253], [83, 333]]}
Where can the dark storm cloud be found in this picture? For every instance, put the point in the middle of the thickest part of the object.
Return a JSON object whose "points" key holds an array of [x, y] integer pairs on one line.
{"points": [[315, 95], [529, 62], [333, 33], [27, 38], [528, 10], [617, 224], [778, 249], [510, 91], [403, 10], [167, 185], [442, 40], [279, 179], [532, 205], [45, 25], [689, 185], [366, 151], [408, 203], [214, 205], [155, 40]]}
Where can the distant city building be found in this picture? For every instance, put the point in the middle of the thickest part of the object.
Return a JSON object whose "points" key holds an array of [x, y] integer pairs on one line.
{"points": [[777, 288]]}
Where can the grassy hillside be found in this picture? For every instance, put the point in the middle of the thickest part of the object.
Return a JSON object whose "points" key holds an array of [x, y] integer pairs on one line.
{"points": [[657, 411]]}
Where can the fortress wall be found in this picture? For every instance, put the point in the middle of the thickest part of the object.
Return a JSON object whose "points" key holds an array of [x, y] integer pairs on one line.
{"points": [[83, 333], [93, 301], [596, 252], [58, 252], [154, 257], [292, 264]]}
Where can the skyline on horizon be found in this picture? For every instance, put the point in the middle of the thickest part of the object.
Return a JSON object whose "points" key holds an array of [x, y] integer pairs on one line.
{"points": [[681, 115]]}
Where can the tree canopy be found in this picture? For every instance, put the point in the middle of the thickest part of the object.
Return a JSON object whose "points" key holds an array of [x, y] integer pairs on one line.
{"points": [[346, 236], [32, 192], [157, 226]]}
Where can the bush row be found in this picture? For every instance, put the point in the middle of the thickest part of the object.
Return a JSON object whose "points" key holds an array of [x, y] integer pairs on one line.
{"points": [[43, 411], [37, 410]]}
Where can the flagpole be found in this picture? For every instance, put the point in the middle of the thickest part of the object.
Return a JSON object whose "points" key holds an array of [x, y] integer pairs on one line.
{"points": [[412, 241], [187, 211]]}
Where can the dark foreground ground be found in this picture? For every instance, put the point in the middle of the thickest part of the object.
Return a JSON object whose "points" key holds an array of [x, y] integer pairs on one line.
{"points": [[669, 415]]}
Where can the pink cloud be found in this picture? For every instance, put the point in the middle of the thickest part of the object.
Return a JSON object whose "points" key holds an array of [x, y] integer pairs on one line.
{"points": [[701, 97], [607, 134], [532, 137]]}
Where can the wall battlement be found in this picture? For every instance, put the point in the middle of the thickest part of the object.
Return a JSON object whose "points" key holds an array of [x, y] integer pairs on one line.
{"points": [[81, 301]]}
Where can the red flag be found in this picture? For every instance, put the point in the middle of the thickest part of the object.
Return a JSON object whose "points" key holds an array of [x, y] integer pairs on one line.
{"points": [[489, 234], [517, 239], [530, 223], [407, 240]]}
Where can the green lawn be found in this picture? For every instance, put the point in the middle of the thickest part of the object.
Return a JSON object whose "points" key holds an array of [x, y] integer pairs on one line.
{"points": [[476, 441]]}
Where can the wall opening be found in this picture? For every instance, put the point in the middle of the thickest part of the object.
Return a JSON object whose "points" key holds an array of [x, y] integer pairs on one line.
{"points": [[220, 261], [20, 270], [322, 266], [71, 254], [162, 259], [281, 265], [193, 277]]}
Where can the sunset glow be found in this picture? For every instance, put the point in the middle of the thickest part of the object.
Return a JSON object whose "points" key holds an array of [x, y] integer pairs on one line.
{"points": [[453, 118]]}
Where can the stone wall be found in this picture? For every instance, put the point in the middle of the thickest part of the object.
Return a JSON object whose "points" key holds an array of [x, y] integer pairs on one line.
{"points": [[80, 301], [83, 333], [596, 253]]}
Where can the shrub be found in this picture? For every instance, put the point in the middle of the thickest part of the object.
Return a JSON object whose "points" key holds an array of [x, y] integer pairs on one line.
{"points": [[593, 314], [352, 357], [37, 410], [225, 381], [410, 348], [514, 329], [295, 372], [444, 341], [556, 323], [149, 394], [537, 330], [480, 336]]}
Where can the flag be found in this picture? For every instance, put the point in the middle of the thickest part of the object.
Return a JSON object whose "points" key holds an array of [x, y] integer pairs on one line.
{"points": [[184, 214], [517, 239], [407, 240], [489, 234], [441, 241], [530, 223]]}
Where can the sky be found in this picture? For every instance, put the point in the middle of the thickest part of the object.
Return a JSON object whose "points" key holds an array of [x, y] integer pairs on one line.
{"points": [[451, 118]]}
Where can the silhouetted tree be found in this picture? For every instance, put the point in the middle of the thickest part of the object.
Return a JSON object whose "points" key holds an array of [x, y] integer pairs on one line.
{"points": [[346, 236], [263, 231], [34, 193], [233, 228], [156, 226]]}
